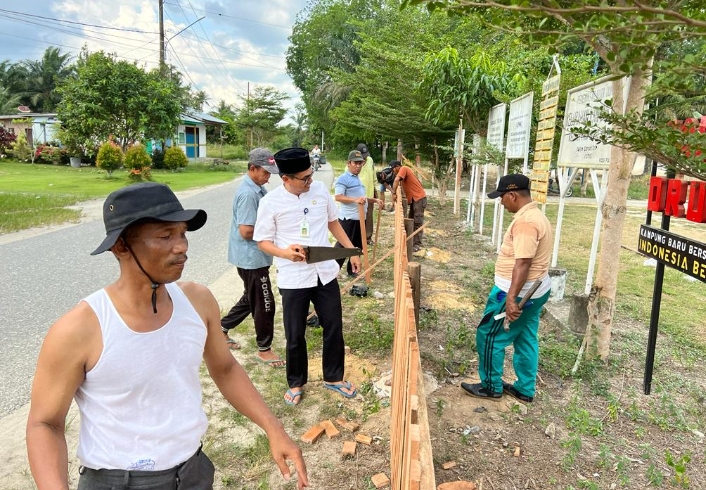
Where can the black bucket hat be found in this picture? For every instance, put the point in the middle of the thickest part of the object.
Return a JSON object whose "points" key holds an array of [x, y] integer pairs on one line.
{"points": [[143, 201]]}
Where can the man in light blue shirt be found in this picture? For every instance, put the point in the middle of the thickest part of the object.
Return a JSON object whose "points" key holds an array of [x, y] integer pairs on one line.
{"points": [[351, 193], [253, 264]]}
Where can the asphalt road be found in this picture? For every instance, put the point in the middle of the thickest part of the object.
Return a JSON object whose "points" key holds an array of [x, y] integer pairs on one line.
{"points": [[46, 274]]}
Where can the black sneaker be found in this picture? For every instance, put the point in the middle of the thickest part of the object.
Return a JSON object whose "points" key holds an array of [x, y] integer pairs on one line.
{"points": [[512, 391], [477, 390]]}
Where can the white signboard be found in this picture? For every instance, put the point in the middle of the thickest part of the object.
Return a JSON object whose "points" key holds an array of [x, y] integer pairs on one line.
{"points": [[584, 104], [496, 126], [518, 126]]}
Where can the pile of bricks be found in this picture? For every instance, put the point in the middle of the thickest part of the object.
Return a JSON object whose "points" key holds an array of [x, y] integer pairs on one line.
{"points": [[349, 447]]}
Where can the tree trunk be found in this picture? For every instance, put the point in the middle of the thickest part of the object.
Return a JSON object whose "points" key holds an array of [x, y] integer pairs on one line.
{"points": [[601, 305]]}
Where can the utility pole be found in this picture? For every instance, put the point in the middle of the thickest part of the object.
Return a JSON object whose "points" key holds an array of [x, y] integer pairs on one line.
{"points": [[161, 36], [249, 115]]}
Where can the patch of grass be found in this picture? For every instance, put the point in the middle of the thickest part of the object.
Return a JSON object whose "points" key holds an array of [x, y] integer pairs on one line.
{"points": [[573, 448], [370, 332], [557, 355], [227, 152], [22, 211], [35, 194]]}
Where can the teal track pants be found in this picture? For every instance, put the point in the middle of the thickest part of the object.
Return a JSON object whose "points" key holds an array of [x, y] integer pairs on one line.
{"points": [[492, 339]]}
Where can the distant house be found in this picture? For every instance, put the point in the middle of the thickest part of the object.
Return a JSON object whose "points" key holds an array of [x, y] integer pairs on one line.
{"points": [[38, 128], [42, 128], [191, 133]]}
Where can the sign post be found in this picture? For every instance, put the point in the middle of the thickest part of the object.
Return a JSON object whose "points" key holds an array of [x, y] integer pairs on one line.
{"points": [[545, 137], [583, 104], [517, 146], [496, 131], [458, 155]]}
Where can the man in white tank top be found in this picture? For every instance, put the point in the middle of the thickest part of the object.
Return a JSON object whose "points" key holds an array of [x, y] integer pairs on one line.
{"points": [[130, 355]]}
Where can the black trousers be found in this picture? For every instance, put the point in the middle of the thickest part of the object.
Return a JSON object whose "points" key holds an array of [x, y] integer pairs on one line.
{"points": [[416, 212], [295, 306], [352, 229], [196, 473], [257, 300]]}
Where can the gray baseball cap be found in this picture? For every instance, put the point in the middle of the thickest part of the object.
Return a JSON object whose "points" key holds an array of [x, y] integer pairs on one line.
{"points": [[262, 157]]}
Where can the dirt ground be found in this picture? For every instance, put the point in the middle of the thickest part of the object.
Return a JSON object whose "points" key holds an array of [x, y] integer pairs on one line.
{"points": [[593, 431]]}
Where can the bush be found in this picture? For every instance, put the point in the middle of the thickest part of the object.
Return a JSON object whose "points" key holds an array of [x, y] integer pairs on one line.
{"points": [[110, 157], [138, 161], [6, 140], [21, 149], [158, 159], [136, 157], [47, 153], [174, 158]]}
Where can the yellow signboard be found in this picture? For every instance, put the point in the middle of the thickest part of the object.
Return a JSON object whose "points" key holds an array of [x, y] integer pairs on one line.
{"points": [[545, 138]]}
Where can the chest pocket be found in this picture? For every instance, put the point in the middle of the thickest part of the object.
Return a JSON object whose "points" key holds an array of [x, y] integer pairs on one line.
{"points": [[318, 210]]}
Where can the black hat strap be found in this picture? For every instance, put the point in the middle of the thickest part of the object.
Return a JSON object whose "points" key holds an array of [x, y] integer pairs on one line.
{"points": [[154, 285]]}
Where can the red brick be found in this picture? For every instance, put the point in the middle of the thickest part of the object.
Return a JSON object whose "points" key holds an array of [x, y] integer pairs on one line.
{"points": [[331, 430], [380, 480], [313, 434], [348, 449], [363, 439]]}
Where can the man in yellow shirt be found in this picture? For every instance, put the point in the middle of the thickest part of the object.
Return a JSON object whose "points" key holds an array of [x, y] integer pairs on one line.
{"points": [[367, 178], [523, 259]]}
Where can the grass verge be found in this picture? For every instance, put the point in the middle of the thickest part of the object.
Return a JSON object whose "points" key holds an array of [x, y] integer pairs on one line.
{"points": [[37, 194]]}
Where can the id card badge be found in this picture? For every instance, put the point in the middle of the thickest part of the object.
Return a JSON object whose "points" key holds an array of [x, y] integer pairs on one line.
{"points": [[304, 228]]}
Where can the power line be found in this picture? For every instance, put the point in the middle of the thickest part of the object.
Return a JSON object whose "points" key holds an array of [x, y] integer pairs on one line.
{"points": [[234, 17], [199, 58], [77, 23]]}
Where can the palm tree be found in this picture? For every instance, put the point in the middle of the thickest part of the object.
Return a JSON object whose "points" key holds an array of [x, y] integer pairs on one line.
{"points": [[43, 76], [8, 101]]}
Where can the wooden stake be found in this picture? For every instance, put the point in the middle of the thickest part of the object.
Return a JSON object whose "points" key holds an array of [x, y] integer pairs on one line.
{"points": [[363, 234], [377, 232]]}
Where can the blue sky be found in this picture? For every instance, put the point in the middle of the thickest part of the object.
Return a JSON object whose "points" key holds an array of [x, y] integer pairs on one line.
{"points": [[238, 42]]}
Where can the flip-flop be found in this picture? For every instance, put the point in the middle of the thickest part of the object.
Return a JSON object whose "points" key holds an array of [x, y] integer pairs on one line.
{"points": [[272, 362], [294, 397], [338, 388], [232, 344]]}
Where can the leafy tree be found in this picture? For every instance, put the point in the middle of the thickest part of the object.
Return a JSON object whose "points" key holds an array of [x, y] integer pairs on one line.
{"points": [[323, 41], [110, 97], [198, 99], [628, 37], [262, 111], [463, 88], [229, 132]]}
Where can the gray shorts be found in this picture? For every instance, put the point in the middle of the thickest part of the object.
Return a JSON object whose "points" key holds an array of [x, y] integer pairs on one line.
{"points": [[196, 473]]}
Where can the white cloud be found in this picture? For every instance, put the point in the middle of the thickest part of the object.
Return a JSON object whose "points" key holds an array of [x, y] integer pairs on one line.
{"points": [[220, 54]]}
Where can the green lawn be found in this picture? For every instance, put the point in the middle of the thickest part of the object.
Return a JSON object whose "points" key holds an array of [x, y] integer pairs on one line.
{"points": [[36, 194]]}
